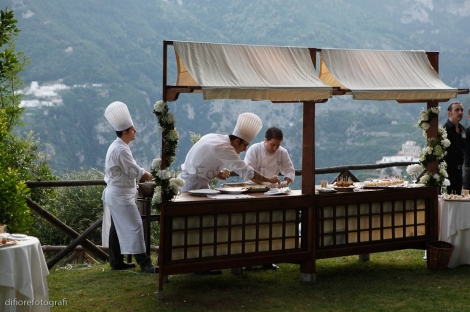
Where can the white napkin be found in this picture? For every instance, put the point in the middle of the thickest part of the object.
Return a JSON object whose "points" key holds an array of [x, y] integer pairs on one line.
{"points": [[229, 196]]}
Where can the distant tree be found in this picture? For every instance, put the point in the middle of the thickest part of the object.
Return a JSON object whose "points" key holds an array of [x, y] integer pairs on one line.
{"points": [[19, 157]]}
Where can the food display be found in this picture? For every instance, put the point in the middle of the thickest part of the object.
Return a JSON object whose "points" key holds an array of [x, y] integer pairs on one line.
{"points": [[4, 242], [455, 197], [343, 183], [390, 182]]}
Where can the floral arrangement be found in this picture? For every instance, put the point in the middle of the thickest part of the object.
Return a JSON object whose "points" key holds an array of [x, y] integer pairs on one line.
{"points": [[414, 170], [439, 178], [167, 183], [436, 149]]}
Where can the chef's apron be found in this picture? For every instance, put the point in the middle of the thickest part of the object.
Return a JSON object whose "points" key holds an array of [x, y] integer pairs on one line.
{"points": [[119, 204], [193, 182]]}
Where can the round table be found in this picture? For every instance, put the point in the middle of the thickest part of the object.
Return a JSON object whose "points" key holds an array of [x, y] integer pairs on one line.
{"points": [[454, 228], [23, 277]]}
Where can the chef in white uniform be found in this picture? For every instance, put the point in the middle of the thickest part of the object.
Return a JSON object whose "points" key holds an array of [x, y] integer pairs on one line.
{"points": [[122, 223], [269, 157], [208, 157]]}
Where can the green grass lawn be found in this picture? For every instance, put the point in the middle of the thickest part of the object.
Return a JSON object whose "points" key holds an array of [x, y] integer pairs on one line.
{"points": [[391, 281]]}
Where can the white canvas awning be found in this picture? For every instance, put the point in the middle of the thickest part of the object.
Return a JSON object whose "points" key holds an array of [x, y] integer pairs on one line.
{"points": [[383, 75], [229, 71]]}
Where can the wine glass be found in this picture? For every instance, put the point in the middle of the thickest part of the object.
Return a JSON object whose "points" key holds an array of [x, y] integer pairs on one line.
{"points": [[443, 190]]}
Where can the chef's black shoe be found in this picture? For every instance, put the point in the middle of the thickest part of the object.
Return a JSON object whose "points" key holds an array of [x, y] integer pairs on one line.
{"points": [[149, 268], [270, 266], [123, 266]]}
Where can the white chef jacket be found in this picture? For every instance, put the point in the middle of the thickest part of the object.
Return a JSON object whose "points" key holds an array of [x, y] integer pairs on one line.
{"points": [[270, 164], [207, 158], [121, 173]]}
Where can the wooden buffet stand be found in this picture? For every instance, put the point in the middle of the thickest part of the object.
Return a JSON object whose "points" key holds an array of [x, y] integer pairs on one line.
{"points": [[199, 233]]}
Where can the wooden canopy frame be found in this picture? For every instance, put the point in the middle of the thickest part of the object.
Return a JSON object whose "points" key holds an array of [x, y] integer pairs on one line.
{"points": [[409, 211], [171, 93]]}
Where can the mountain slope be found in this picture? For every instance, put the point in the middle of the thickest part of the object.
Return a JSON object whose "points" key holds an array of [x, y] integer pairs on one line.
{"points": [[119, 44]]}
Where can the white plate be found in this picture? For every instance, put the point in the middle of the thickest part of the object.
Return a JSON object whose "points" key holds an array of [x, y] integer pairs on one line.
{"points": [[232, 190], [281, 191], [18, 236], [415, 185], [203, 192]]}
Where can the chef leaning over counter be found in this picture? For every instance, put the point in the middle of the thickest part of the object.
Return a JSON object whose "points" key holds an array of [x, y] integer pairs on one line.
{"points": [[208, 157]]}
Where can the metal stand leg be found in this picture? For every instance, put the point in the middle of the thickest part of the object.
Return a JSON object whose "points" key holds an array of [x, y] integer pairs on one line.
{"points": [[146, 220], [305, 277]]}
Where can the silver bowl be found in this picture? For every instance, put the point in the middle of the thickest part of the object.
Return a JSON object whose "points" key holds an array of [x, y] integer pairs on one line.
{"points": [[146, 189]]}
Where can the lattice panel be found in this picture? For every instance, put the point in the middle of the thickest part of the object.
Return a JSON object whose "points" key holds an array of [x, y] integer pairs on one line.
{"points": [[234, 233], [367, 222]]}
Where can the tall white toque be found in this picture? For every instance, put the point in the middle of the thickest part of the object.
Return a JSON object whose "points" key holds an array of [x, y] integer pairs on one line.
{"points": [[118, 116], [247, 127]]}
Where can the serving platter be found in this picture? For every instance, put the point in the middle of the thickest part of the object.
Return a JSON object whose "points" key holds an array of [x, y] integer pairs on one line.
{"points": [[7, 242], [345, 189], [17, 236], [282, 191], [456, 198], [326, 190], [232, 190], [203, 192], [250, 186], [371, 187]]}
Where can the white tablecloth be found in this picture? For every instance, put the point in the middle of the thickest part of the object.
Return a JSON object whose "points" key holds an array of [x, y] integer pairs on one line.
{"points": [[454, 228], [23, 277]]}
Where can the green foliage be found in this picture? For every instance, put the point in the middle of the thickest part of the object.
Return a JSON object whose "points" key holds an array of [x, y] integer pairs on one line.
{"points": [[19, 159], [13, 209]]}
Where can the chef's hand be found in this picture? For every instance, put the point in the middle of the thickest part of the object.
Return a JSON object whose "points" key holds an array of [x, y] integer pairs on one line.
{"points": [[274, 179], [289, 181], [147, 176], [221, 176]]}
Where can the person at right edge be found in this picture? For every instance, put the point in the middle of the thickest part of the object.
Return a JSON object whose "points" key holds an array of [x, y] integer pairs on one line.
{"points": [[466, 174], [456, 133]]}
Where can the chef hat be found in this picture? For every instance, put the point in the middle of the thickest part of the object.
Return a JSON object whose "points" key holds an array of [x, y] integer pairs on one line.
{"points": [[118, 116], [247, 127]]}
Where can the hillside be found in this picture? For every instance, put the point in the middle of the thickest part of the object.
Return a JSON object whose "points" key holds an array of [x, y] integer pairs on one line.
{"points": [[119, 45]]}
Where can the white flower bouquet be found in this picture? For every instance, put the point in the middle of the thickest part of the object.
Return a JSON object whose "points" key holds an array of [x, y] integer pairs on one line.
{"points": [[436, 149]]}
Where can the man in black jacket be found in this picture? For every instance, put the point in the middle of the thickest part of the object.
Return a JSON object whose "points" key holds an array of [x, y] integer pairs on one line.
{"points": [[456, 133], [466, 174]]}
